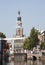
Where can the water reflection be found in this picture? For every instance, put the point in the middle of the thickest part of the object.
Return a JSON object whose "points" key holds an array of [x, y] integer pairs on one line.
{"points": [[29, 62]]}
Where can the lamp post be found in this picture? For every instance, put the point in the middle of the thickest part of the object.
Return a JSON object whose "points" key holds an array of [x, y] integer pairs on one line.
{"points": [[1, 51]]}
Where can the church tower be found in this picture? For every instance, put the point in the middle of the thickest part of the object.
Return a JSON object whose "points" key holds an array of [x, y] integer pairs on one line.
{"points": [[19, 29], [19, 37]]}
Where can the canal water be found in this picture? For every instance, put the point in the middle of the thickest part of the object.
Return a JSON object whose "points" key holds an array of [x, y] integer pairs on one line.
{"points": [[29, 62]]}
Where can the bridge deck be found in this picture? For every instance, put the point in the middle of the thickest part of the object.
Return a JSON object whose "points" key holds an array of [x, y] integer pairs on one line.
{"points": [[37, 55]]}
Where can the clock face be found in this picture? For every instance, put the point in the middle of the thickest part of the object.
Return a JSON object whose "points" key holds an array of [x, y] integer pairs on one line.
{"points": [[19, 32]]}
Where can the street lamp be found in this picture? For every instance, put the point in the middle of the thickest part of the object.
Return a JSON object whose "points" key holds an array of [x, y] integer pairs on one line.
{"points": [[1, 51]]}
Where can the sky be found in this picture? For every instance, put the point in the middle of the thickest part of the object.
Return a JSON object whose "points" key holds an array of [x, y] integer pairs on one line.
{"points": [[32, 13]]}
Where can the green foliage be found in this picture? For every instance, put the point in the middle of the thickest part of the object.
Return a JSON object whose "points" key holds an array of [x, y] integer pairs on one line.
{"points": [[42, 46], [34, 37], [26, 44], [32, 40], [2, 35]]}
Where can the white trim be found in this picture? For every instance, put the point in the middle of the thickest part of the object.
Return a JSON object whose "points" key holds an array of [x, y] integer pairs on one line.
{"points": [[12, 38]]}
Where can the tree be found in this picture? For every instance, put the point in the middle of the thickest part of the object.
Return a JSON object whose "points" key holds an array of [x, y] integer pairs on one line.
{"points": [[42, 45], [26, 44], [2, 35], [34, 41]]}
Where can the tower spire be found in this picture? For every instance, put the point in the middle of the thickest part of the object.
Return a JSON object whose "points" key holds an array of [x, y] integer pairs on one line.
{"points": [[18, 12], [19, 29]]}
